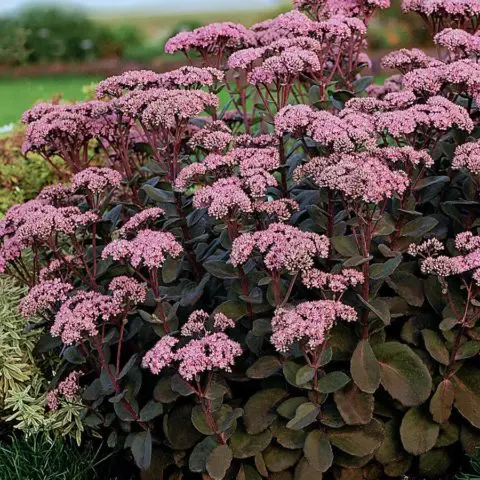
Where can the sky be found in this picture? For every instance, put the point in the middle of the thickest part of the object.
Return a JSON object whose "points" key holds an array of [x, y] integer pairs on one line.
{"points": [[157, 5]]}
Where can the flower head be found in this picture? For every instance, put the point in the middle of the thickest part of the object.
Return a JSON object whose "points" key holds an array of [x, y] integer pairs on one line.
{"points": [[467, 156], [147, 249], [80, 315], [44, 296], [140, 220], [360, 176], [308, 323], [283, 248], [95, 180]]}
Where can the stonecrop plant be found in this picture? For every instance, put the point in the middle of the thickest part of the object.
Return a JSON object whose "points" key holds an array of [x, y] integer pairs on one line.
{"points": [[284, 284]]}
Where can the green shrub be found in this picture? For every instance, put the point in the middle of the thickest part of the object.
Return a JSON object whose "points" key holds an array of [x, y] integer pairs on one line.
{"points": [[474, 469], [38, 457], [22, 177], [60, 34], [23, 386]]}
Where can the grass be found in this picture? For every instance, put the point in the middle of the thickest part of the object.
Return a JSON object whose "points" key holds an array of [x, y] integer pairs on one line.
{"points": [[18, 94], [39, 458]]}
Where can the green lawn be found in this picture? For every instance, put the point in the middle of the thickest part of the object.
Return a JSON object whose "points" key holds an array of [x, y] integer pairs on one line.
{"points": [[18, 94]]}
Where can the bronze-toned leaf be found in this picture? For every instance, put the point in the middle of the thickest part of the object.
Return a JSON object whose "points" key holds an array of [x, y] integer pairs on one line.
{"points": [[436, 346], [466, 384], [264, 367], [358, 441], [219, 461], [244, 445], [364, 367], [403, 374], [418, 431], [260, 409], [278, 459], [355, 406], [318, 451], [442, 401]]}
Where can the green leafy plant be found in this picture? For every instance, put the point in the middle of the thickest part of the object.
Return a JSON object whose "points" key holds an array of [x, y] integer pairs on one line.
{"points": [[23, 385], [474, 467]]}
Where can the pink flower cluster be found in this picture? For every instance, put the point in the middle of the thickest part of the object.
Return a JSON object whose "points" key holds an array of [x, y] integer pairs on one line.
{"points": [[213, 39], [226, 198], [176, 106], [459, 42], [437, 113], [67, 388], [194, 77], [140, 220], [95, 180], [467, 156], [80, 314], [213, 137], [308, 323], [443, 8], [197, 323], [444, 266], [211, 349], [428, 248], [126, 290], [285, 66], [281, 209], [462, 75], [351, 8], [339, 133], [283, 248], [147, 249], [117, 85], [36, 223], [407, 60], [357, 176], [44, 296], [334, 282]]}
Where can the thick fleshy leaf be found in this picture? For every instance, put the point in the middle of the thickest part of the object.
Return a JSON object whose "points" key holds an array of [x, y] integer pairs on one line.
{"points": [[345, 246], [418, 431], [142, 449], [382, 270], [304, 375], [305, 414], [288, 438], [304, 471], [436, 346], [200, 453], [408, 286], [150, 411], [264, 367], [466, 384], [244, 445], [442, 401], [364, 367], [278, 459], [403, 374], [260, 409], [355, 406], [219, 461], [181, 438], [419, 227], [435, 463], [391, 449], [358, 441], [332, 382], [288, 408], [318, 451]]}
